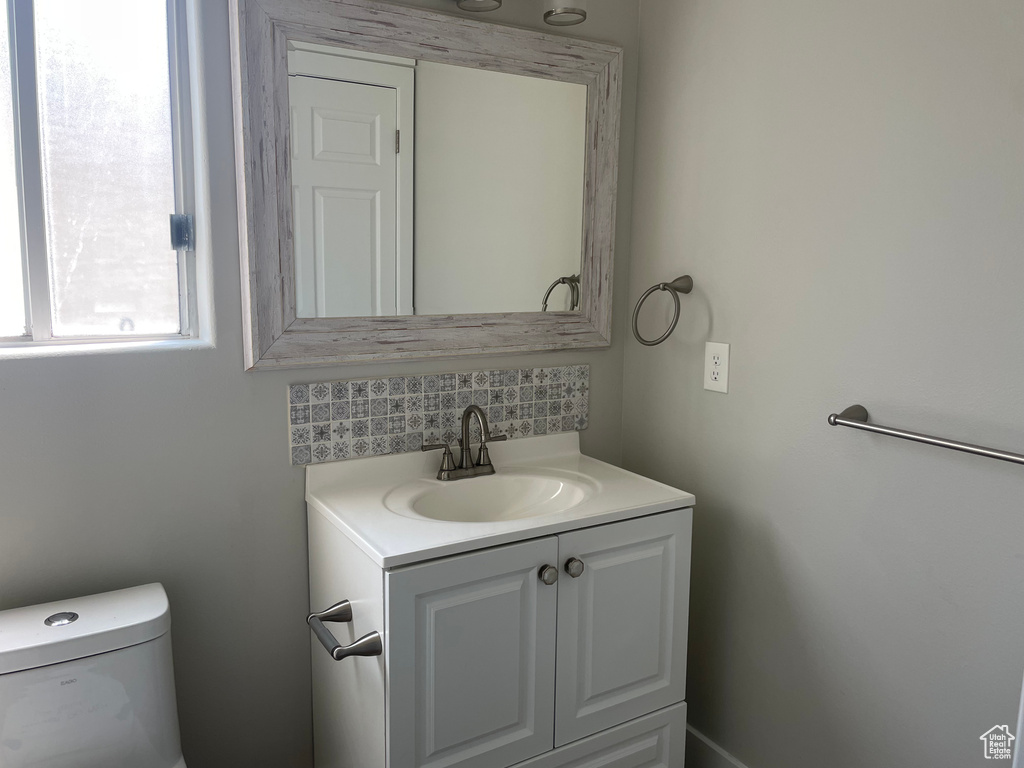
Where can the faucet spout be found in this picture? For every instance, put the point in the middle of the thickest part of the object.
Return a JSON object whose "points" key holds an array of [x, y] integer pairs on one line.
{"points": [[467, 467]]}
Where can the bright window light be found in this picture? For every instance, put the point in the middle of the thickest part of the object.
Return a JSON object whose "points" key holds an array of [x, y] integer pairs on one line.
{"points": [[12, 286], [107, 166]]}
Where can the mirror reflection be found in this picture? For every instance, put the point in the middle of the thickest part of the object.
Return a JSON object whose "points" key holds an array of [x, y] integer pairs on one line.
{"points": [[425, 188]]}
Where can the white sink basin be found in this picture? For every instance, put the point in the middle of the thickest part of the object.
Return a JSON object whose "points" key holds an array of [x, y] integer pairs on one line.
{"points": [[398, 514], [512, 494]]}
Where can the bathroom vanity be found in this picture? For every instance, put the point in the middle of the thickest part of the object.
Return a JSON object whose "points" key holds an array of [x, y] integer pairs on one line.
{"points": [[536, 617]]}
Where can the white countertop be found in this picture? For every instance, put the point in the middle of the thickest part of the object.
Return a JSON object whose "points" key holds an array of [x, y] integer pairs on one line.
{"points": [[350, 494]]}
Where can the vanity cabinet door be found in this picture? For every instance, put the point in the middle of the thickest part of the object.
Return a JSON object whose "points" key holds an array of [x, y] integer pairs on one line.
{"points": [[470, 646], [622, 622]]}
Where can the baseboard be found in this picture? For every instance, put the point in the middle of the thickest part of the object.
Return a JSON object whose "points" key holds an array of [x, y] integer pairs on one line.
{"points": [[702, 752]]}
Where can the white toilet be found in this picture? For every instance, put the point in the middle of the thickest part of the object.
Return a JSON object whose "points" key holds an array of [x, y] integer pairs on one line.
{"points": [[89, 683]]}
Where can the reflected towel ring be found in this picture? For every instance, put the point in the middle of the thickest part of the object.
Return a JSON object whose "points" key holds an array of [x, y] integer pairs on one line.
{"points": [[682, 284], [573, 281]]}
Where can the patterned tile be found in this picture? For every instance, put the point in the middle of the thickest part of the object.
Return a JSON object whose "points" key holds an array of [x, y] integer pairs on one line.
{"points": [[320, 393], [340, 420], [301, 435]]}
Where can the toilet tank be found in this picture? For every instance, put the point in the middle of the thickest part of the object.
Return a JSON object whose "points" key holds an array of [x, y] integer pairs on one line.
{"points": [[89, 683]]}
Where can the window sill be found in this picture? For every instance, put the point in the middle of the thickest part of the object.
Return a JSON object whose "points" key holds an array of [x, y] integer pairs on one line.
{"points": [[30, 349]]}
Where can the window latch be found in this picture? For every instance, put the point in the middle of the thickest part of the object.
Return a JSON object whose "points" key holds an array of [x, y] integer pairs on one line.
{"points": [[183, 232]]}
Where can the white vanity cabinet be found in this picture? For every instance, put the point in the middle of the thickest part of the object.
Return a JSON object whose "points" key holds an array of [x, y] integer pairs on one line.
{"points": [[486, 665]]}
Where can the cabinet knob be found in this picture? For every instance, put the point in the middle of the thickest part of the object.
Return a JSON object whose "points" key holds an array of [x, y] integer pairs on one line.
{"points": [[548, 574], [574, 567]]}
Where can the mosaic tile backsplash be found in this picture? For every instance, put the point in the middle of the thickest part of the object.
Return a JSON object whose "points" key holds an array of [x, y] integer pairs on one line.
{"points": [[338, 420]]}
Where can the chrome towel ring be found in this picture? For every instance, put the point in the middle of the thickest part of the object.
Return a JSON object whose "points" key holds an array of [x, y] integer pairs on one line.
{"points": [[682, 284], [573, 281]]}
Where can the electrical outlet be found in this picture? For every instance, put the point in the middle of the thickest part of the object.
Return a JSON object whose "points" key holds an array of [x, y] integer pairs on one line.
{"points": [[716, 367]]}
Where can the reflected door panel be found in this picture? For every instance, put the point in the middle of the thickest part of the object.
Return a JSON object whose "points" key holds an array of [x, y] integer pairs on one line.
{"points": [[344, 197]]}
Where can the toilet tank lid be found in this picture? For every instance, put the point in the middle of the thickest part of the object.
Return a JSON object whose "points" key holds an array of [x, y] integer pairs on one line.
{"points": [[105, 622]]}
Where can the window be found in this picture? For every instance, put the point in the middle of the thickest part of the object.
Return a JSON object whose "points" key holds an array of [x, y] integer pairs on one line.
{"points": [[95, 155]]}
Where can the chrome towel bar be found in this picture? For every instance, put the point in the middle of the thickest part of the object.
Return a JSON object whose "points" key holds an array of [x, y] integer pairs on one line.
{"points": [[856, 416], [367, 645]]}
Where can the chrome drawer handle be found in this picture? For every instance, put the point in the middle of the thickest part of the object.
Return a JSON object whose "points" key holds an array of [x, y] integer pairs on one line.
{"points": [[367, 645]]}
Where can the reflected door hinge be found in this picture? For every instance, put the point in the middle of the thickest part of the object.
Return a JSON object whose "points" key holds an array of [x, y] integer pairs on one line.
{"points": [[398, 142], [183, 232]]}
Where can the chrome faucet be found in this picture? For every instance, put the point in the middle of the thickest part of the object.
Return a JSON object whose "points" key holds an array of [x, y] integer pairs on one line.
{"points": [[467, 467]]}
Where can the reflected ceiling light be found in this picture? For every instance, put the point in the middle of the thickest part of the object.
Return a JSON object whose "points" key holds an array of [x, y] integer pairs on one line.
{"points": [[479, 5], [565, 15]]}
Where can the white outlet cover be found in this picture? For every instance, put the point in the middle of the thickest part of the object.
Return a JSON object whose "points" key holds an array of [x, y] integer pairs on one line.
{"points": [[716, 367]]}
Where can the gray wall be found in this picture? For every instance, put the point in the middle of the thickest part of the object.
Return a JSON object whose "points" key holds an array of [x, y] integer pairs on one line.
{"points": [[119, 469], [845, 182]]}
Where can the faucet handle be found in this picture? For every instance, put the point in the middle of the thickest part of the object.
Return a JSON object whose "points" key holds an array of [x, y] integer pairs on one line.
{"points": [[447, 460]]}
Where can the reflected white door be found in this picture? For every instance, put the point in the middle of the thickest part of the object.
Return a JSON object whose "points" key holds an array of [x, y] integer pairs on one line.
{"points": [[344, 195], [622, 623]]}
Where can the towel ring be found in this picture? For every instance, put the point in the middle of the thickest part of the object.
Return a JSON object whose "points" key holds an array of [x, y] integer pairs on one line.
{"points": [[573, 281], [682, 284]]}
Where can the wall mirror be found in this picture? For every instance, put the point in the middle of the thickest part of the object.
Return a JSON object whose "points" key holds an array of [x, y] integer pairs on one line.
{"points": [[413, 184]]}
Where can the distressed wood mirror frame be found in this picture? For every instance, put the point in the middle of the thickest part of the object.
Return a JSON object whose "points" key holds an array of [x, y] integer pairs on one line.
{"points": [[274, 336]]}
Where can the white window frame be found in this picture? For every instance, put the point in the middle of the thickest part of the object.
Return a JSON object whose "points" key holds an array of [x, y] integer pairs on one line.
{"points": [[181, 58]]}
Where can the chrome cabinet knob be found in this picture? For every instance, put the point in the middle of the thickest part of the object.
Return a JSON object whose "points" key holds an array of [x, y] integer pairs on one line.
{"points": [[548, 574], [574, 567]]}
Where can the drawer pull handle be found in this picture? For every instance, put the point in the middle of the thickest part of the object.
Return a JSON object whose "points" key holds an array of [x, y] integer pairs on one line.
{"points": [[367, 645]]}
